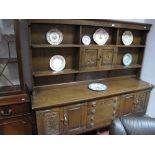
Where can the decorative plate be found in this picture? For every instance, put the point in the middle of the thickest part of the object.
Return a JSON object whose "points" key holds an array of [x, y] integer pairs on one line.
{"points": [[97, 86], [127, 38], [101, 36], [54, 36], [86, 40], [57, 63], [127, 59]]}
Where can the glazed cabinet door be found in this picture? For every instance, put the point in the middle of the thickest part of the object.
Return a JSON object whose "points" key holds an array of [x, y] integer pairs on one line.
{"points": [[75, 118], [89, 58], [49, 122], [102, 112], [141, 101]]}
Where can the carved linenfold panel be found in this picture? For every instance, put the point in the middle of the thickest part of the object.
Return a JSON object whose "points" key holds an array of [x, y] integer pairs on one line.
{"points": [[51, 123]]}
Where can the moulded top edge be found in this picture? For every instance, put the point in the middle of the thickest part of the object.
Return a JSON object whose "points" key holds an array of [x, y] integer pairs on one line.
{"points": [[94, 22]]}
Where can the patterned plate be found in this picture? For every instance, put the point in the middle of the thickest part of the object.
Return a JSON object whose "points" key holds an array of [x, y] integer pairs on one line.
{"points": [[101, 36], [127, 38], [54, 37], [57, 63], [97, 86]]}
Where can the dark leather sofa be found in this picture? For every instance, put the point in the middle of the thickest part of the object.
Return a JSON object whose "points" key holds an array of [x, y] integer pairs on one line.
{"points": [[132, 125]]}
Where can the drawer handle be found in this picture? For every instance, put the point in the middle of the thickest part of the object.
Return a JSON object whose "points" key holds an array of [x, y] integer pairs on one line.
{"points": [[6, 112], [22, 99], [65, 119]]}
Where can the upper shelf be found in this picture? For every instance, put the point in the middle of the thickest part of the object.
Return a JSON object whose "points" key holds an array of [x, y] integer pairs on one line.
{"points": [[78, 45]]}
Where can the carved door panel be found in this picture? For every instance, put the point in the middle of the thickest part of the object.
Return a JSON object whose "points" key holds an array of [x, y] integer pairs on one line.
{"points": [[49, 122], [101, 112], [127, 103], [89, 57], [106, 56], [141, 102], [74, 118]]}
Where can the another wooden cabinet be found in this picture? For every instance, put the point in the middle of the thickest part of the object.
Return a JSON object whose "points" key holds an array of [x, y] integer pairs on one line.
{"points": [[15, 110], [61, 100], [20, 125]]}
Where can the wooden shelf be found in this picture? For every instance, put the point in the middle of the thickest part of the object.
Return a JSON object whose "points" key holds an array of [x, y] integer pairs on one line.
{"points": [[49, 96], [49, 46], [78, 45], [8, 60], [133, 46], [73, 71]]}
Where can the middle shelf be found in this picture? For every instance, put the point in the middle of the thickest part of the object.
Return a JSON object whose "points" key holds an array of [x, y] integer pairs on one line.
{"points": [[74, 71]]}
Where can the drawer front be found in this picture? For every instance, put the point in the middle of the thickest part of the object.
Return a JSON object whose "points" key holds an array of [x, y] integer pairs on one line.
{"points": [[20, 125], [14, 99], [13, 110]]}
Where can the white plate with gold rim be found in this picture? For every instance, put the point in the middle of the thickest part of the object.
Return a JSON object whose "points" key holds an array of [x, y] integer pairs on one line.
{"points": [[57, 63], [127, 38], [54, 37]]}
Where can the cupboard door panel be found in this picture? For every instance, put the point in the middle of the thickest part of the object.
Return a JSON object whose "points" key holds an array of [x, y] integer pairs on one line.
{"points": [[49, 122], [106, 55], [74, 118], [90, 57], [127, 102]]}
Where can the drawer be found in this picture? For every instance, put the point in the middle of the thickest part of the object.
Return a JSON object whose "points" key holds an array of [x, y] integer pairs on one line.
{"points": [[20, 125], [14, 109], [14, 99]]}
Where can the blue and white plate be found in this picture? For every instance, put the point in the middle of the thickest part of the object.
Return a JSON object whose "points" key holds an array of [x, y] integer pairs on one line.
{"points": [[86, 40], [97, 86], [127, 59]]}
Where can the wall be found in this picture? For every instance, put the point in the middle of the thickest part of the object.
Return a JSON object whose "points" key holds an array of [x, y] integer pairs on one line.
{"points": [[148, 70]]}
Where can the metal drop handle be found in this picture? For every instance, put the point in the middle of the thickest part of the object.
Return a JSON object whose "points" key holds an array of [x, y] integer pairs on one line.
{"points": [[65, 119], [6, 113]]}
